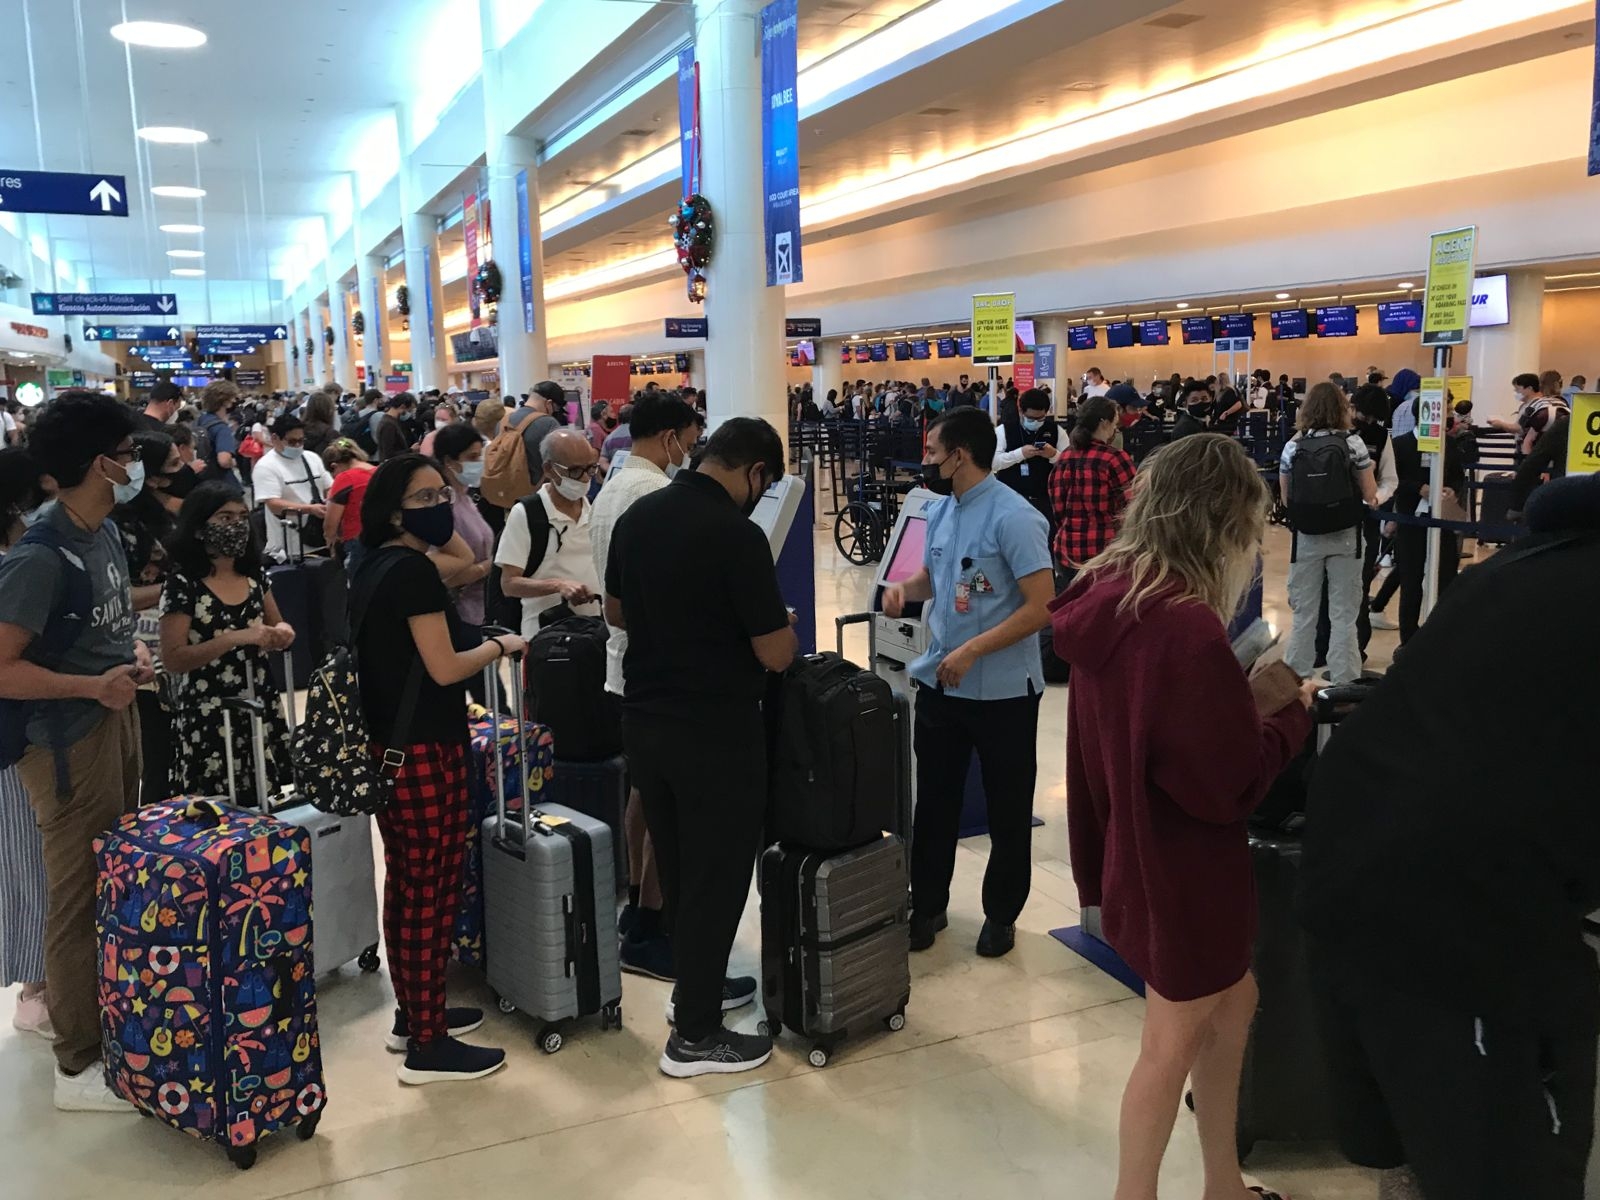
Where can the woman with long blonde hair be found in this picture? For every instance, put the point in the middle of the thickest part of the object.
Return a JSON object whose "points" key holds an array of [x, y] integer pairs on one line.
{"points": [[1167, 755]]}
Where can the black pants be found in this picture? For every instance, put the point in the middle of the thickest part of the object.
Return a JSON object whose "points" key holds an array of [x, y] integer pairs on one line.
{"points": [[702, 778], [155, 746], [1479, 1111], [1410, 564], [1004, 734]]}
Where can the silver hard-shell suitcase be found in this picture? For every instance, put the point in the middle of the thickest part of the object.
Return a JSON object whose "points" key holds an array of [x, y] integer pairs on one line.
{"points": [[550, 908], [344, 888]]}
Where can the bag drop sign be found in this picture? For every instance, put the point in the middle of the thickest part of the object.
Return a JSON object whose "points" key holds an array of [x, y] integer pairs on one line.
{"points": [[1583, 441]]}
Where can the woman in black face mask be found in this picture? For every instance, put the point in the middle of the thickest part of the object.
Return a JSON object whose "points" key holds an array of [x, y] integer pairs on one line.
{"points": [[414, 655], [219, 623]]}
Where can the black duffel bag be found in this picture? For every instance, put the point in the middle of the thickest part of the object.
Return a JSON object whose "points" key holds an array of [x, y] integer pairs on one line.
{"points": [[566, 689]]}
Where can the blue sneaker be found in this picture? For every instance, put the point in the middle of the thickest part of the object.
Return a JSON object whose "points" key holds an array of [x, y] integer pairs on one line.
{"points": [[651, 958]]}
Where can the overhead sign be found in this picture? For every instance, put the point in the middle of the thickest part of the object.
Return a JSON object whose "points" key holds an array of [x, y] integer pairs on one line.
{"points": [[780, 141], [802, 327], [250, 378], [689, 119], [994, 319], [100, 304], [131, 333], [688, 327], [260, 333], [1583, 439], [63, 192], [1447, 312], [395, 384]]}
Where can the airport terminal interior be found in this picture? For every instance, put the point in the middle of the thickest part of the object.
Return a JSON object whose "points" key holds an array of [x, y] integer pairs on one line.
{"points": [[847, 218]]}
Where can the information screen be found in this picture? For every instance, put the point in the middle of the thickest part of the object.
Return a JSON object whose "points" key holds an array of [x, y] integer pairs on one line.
{"points": [[1198, 331], [1154, 333], [880, 351], [1081, 337], [1400, 316], [1290, 324], [1336, 322], [947, 347], [1119, 335], [1236, 325], [902, 352], [964, 347], [907, 559], [863, 354], [919, 349]]}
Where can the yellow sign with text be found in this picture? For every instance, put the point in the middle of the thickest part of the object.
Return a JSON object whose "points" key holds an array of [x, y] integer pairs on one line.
{"points": [[994, 328], [1583, 440], [1447, 310], [1430, 416]]}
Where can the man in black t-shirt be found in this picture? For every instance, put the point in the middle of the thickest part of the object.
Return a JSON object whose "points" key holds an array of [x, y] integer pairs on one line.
{"points": [[691, 579]]}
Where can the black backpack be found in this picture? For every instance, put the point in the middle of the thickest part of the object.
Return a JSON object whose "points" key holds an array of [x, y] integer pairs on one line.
{"points": [[566, 689], [358, 429], [1322, 487]]}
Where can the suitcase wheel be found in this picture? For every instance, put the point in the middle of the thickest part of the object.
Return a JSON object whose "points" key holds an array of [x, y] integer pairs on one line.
{"points": [[770, 1028], [243, 1157], [818, 1057], [307, 1129], [550, 1040], [895, 1022], [368, 961], [611, 1017], [505, 1005]]}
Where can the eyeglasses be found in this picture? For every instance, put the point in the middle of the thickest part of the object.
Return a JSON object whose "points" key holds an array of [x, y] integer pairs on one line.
{"points": [[124, 456], [426, 498], [576, 473], [228, 520]]}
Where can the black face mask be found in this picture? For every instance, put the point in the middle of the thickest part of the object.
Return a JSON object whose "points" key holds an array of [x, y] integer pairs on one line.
{"points": [[749, 506], [933, 479], [181, 482]]}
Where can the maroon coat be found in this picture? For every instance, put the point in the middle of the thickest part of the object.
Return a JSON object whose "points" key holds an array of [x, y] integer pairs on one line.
{"points": [[1166, 757]]}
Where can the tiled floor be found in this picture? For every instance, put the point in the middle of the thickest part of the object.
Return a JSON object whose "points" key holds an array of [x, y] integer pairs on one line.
{"points": [[1005, 1082]]}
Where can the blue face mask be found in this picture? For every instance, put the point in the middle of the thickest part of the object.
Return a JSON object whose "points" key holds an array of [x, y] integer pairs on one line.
{"points": [[293, 453]]}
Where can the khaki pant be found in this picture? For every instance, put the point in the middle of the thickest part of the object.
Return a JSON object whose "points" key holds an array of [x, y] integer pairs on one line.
{"points": [[104, 768]]}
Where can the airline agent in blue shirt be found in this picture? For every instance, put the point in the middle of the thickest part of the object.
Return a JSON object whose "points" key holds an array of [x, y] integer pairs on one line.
{"points": [[985, 584]]}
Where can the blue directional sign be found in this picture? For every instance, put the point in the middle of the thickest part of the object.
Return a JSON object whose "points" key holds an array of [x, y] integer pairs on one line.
{"points": [[131, 333], [154, 352], [227, 346], [104, 304], [258, 333], [63, 192]]}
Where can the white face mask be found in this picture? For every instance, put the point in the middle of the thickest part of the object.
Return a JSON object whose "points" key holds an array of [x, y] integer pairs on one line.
{"points": [[293, 453], [124, 493], [470, 473], [674, 467], [31, 517], [572, 489]]}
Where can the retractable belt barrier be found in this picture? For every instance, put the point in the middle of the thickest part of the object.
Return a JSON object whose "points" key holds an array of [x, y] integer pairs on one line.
{"points": [[1474, 529]]}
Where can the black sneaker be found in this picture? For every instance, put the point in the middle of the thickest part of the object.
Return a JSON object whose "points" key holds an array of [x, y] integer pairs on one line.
{"points": [[651, 958], [923, 932], [996, 941], [459, 1020], [737, 991], [723, 1053], [445, 1060], [628, 919]]}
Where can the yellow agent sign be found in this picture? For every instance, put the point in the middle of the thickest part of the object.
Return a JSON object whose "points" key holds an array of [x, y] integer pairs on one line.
{"points": [[1583, 441], [1430, 416], [1447, 312], [994, 325]]}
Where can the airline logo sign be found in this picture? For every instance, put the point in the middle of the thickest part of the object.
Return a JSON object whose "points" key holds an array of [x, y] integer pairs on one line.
{"points": [[1447, 313]]}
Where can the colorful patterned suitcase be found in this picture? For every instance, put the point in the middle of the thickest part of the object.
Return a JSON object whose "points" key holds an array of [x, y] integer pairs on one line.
{"points": [[208, 1008], [468, 947]]}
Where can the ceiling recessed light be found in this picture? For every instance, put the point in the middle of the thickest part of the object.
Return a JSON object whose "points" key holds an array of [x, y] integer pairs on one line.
{"points": [[1099, 312], [186, 253], [178, 191], [158, 34], [1281, 296], [183, 229], [1406, 287], [172, 135], [1183, 304], [189, 272]]}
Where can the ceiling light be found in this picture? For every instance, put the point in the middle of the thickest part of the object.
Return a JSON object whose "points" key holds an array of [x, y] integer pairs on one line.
{"points": [[1406, 287], [178, 191], [186, 253], [1183, 304], [183, 229], [1099, 312], [1281, 296], [172, 135], [187, 272], [158, 34]]}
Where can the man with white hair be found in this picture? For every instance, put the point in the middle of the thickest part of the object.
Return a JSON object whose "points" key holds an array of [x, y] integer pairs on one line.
{"points": [[545, 555]]}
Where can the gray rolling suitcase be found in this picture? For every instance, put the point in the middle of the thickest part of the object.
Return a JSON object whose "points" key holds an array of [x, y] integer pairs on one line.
{"points": [[550, 907], [835, 941], [344, 889]]}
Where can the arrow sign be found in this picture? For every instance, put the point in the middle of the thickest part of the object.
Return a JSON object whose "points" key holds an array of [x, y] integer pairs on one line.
{"points": [[91, 334], [64, 192], [280, 333], [130, 333], [102, 304], [259, 333]]}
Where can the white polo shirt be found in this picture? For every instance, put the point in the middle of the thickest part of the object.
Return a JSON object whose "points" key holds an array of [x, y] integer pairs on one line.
{"points": [[568, 555], [304, 481]]}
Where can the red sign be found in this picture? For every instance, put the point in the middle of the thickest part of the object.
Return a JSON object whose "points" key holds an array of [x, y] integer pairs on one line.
{"points": [[1022, 372], [38, 331], [469, 233], [610, 378], [395, 384]]}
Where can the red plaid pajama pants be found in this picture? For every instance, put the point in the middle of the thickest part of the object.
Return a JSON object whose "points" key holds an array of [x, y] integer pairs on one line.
{"points": [[424, 832]]}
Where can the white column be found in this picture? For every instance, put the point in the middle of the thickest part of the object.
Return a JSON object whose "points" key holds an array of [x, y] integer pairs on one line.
{"points": [[524, 356], [697, 369], [744, 353], [319, 349], [827, 372], [1497, 355], [371, 304], [307, 372], [419, 232], [338, 313]]}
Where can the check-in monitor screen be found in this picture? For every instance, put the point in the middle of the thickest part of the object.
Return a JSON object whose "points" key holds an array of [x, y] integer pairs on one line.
{"points": [[907, 560]]}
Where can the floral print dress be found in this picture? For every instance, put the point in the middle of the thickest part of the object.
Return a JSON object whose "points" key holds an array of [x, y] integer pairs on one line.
{"points": [[200, 766]]}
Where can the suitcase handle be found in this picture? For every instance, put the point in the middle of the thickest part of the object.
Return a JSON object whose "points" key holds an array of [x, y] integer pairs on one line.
{"points": [[491, 687]]}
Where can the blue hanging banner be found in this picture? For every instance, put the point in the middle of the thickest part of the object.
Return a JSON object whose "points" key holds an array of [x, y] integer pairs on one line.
{"points": [[525, 251], [780, 140], [688, 125], [1594, 110], [375, 325], [427, 300]]}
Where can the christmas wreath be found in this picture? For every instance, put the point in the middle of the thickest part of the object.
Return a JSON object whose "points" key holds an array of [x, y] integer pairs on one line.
{"points": [[694, 233], [488, 282], [402, 300], [294, 353], [311, 348], [358, 323], [327, 335]]}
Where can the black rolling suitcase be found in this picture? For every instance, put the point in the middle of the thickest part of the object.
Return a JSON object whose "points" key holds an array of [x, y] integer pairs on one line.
{"points": [[598, 790], [565, 684], [313, 596]]}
